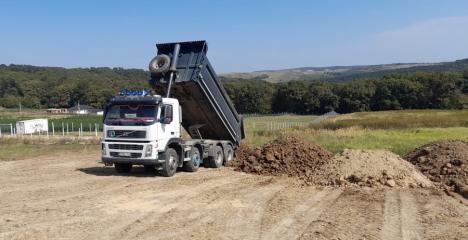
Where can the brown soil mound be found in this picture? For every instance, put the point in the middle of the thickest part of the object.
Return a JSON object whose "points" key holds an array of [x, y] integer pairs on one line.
{"points": [[286, 155], [313, 164], [370, 168], [444, 162]]}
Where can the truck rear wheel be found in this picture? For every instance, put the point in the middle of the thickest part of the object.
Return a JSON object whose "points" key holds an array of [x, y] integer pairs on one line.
{"points": [[170, 164], [216, 161], [229, 155], [123, 167], [194, 163]]}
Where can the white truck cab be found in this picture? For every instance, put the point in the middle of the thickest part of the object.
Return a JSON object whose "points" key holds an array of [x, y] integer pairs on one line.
{"points": [[146, 130]]}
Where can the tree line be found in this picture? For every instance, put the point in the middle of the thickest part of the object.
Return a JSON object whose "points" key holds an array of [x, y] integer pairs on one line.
{"points": [[51, 87], [390, 92]]}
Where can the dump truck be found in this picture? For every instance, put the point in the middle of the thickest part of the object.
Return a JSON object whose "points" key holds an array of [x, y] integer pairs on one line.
{"points": [[144, 126]]}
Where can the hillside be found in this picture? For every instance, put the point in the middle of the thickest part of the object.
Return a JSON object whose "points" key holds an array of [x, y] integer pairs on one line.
{"points": [[36, 87], [346, 73], [411, 86]]}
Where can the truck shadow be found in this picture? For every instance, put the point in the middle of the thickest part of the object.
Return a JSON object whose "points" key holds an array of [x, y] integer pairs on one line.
{"points": [[110, 171]]}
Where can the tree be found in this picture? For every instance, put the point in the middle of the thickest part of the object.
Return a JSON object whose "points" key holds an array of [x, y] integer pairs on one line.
{"points": [[355, 96]]}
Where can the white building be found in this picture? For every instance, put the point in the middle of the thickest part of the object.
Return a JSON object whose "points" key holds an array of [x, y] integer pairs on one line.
{"points": [[32, 126]]}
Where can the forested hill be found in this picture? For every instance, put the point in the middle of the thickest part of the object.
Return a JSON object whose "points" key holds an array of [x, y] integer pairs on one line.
{"points": [[346, 73], [61, 87], [435, 86]]}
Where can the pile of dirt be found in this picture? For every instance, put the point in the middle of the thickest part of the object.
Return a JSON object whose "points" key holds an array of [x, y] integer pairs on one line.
{"points": [[444, 162], [313, 164], [286, 155], [371, 168]]}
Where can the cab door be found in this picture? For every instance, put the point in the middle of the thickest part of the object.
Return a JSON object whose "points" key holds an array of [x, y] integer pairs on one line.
{"points": [[169, 119]]}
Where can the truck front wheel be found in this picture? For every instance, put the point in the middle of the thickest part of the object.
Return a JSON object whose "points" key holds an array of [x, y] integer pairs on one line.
{"points": [[170, 164], [194, 163], [123, 167], [216, 161]]}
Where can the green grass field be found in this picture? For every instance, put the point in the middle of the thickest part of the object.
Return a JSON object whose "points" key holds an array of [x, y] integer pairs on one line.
{"points": [[397, 131], [17, 148], [399, 119], [73, 121]]}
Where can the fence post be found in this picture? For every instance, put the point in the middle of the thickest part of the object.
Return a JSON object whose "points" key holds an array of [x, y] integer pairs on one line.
{"points": [[67, 129], [63, 130], [81, 129], [0, 131], [11, 128], [72, 127], [53, 129], [95, 129]]}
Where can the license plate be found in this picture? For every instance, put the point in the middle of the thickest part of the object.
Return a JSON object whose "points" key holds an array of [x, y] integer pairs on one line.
{"points": [[124, 154]]}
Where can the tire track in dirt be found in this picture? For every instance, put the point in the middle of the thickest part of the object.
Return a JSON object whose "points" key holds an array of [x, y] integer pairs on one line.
{"points": [[249, 217], [354, 214], [133, 215], [400, 216], [299, 218], [212, 205], [441, 217], [74, 197], [149, 208]]}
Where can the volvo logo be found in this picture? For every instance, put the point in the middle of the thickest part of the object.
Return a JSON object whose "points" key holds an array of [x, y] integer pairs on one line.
{"points": [[111, 133]]}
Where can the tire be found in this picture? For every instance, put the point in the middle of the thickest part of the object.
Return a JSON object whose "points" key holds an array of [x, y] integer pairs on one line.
{"points": [[150, 168], [170, 164], [123, 167], [228, 154], [160, 64], [194, 163], [217, 160]]}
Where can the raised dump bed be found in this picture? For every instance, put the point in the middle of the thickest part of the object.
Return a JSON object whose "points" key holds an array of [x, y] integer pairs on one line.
{"points": [[207, 111]]}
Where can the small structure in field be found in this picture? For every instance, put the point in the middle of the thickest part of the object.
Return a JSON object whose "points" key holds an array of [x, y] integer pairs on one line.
{"points": [[83, 109], [57, 110], [32, 126]]}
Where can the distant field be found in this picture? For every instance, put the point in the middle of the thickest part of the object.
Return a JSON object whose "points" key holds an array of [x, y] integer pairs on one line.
{"points": [[397, 131], [398, 119], [73, 121]]}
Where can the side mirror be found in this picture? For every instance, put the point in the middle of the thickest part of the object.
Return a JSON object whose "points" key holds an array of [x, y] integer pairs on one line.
{"points": [[105, 110], [166, 114]]}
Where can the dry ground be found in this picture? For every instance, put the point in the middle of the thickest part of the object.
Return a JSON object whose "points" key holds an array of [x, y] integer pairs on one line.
{"points": [[75, 197]]}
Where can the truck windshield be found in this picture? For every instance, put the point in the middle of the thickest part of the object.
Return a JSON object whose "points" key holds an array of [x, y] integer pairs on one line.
{"points": [[131, 115]]}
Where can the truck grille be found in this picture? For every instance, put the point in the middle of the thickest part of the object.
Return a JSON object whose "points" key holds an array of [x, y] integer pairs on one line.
{"points": [[126, 146], [132, 155], [126, 134]]}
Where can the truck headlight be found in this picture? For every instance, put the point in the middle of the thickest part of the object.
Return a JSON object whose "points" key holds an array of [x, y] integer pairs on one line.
{"points": [[149, 150]]}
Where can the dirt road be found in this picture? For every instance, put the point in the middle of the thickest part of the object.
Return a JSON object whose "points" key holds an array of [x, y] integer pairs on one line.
{"points": [[75, 197]]}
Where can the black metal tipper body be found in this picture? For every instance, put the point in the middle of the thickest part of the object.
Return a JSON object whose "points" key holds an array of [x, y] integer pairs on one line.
{"points": [[190, 78]]}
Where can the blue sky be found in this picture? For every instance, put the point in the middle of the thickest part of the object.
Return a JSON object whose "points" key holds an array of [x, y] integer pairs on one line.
{"points": [[242, 35]]}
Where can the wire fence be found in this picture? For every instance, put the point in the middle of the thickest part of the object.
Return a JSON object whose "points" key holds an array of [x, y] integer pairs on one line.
{"points": [[56, 128], [276, 125]]}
